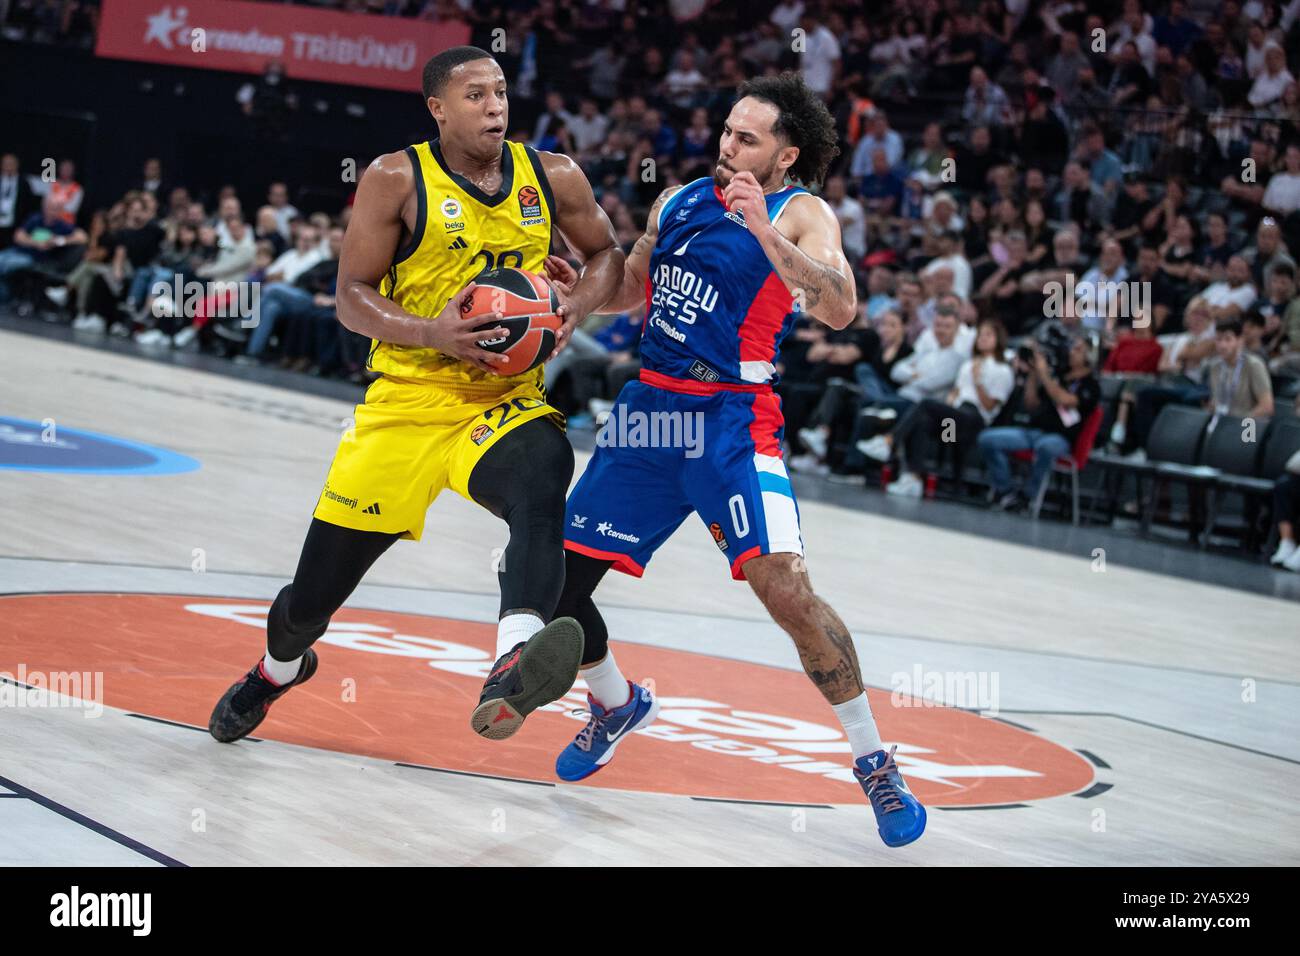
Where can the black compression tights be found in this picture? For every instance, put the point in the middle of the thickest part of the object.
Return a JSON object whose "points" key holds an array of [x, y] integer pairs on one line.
{"points": [[522, 479], [581, 575]]}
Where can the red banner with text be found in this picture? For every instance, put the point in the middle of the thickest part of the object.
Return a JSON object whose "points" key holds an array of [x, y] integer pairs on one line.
{"points": [[312, 44]]}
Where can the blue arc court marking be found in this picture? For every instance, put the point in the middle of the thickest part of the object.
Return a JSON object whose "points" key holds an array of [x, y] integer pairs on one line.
{"points": [[34, 446]]}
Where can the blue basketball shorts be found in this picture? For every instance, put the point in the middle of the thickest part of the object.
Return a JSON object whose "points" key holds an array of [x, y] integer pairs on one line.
{"points": [[665, 454]]}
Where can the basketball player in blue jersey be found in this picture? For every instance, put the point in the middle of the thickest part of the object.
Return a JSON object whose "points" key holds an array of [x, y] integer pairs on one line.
{"points": [[720, 268]]}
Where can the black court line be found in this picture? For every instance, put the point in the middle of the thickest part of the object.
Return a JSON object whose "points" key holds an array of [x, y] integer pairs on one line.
{"points": [[1172, 730], [1014, 724], [16, 796], [1096, 761], [765, 803], [483, 776], [176, 723], [991, 806], [1096, 790], [85, 821]]}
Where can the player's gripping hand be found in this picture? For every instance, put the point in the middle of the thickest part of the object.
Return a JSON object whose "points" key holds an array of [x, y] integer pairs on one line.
{"points": [[562, 277], [450, 334], [744, 194]]}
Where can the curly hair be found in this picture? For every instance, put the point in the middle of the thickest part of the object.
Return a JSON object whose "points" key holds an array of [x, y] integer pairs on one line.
{"points": [[803, 119]]}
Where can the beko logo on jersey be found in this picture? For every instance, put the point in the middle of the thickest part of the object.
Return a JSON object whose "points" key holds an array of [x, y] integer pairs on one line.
{"points": [[451, 211], [683, 293]]}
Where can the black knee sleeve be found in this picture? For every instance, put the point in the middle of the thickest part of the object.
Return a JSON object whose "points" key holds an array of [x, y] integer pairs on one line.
{"points": [[523, 479], [285, 640], [333, 561], [581, 575]]}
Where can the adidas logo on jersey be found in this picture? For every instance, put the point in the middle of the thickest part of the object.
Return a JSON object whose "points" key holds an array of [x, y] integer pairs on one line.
{"points": [[373, 509], [459, 243]]}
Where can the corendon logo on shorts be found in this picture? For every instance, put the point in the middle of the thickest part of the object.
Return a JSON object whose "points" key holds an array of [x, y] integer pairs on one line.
{"points": [[608, 531], [726, 728]]}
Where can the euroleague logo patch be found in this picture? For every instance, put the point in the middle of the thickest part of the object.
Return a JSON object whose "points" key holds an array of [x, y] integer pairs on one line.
{"points": [[479, 435], [719, 538], [726, 729], [530, 207], [530, 203]]}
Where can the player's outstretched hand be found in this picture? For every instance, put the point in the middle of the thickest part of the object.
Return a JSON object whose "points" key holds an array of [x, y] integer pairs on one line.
{"points": [[744, 194], [451, 334], [561, 277]]}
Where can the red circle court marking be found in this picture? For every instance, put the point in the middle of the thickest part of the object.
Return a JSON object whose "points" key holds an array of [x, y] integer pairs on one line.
{"points": [[738, 730]]}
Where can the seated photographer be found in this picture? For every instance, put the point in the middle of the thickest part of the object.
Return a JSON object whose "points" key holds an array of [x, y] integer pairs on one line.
{"points": [[1056, 402], [983, 385]]}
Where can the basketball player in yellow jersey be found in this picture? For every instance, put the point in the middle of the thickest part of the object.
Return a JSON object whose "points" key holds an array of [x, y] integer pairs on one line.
{"points": [[426, 221]]}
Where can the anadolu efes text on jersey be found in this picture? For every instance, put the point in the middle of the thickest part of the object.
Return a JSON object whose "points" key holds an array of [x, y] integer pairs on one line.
{"points": [[716, 310]]}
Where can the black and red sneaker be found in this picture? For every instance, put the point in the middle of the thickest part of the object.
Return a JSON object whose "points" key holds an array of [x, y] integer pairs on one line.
{"points": [[246, 703], [530, 675]]}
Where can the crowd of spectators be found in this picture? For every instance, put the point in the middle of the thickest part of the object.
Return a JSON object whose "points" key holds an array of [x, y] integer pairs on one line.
{"points": [[1008, 172]]}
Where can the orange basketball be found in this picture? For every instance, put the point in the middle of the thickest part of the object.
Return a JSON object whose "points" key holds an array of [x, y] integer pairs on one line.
{"points": [[527, 305]]}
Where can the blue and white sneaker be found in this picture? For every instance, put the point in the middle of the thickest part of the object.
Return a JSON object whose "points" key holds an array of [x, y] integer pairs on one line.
{"points": [[900, 818], [595, 743]]}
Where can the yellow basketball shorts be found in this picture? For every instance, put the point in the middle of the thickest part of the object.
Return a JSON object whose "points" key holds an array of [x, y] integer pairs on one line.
{"points": [[409, 441]]}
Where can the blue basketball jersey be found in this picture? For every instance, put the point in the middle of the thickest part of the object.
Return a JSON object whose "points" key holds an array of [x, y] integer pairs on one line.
{"points": [[717, 310]]}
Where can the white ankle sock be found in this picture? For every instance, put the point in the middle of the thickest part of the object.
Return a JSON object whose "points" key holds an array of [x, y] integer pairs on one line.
{"points": [[855, 717], [514, 628], [606, 683], [281, 671]]}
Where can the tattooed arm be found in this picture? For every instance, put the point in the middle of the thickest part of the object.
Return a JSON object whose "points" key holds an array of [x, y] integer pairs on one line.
{"points": [[636, 270], [805, 250]]}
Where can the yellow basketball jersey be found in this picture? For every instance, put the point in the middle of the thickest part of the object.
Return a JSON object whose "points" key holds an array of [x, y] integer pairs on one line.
{"points": [[459, 232]]}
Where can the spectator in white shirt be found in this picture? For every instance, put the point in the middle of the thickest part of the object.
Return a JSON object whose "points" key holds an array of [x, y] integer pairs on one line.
{"points": [[1272, 81], [926, 373], [1099, 288], [1230, 298], [786, 15], [1257, 44], [278, 197], [1134, 27], [852, 219], [683, 83], [1283, 192], [950, 257], [292, 263], [588, 128], [983, 385], [819, 61]]}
